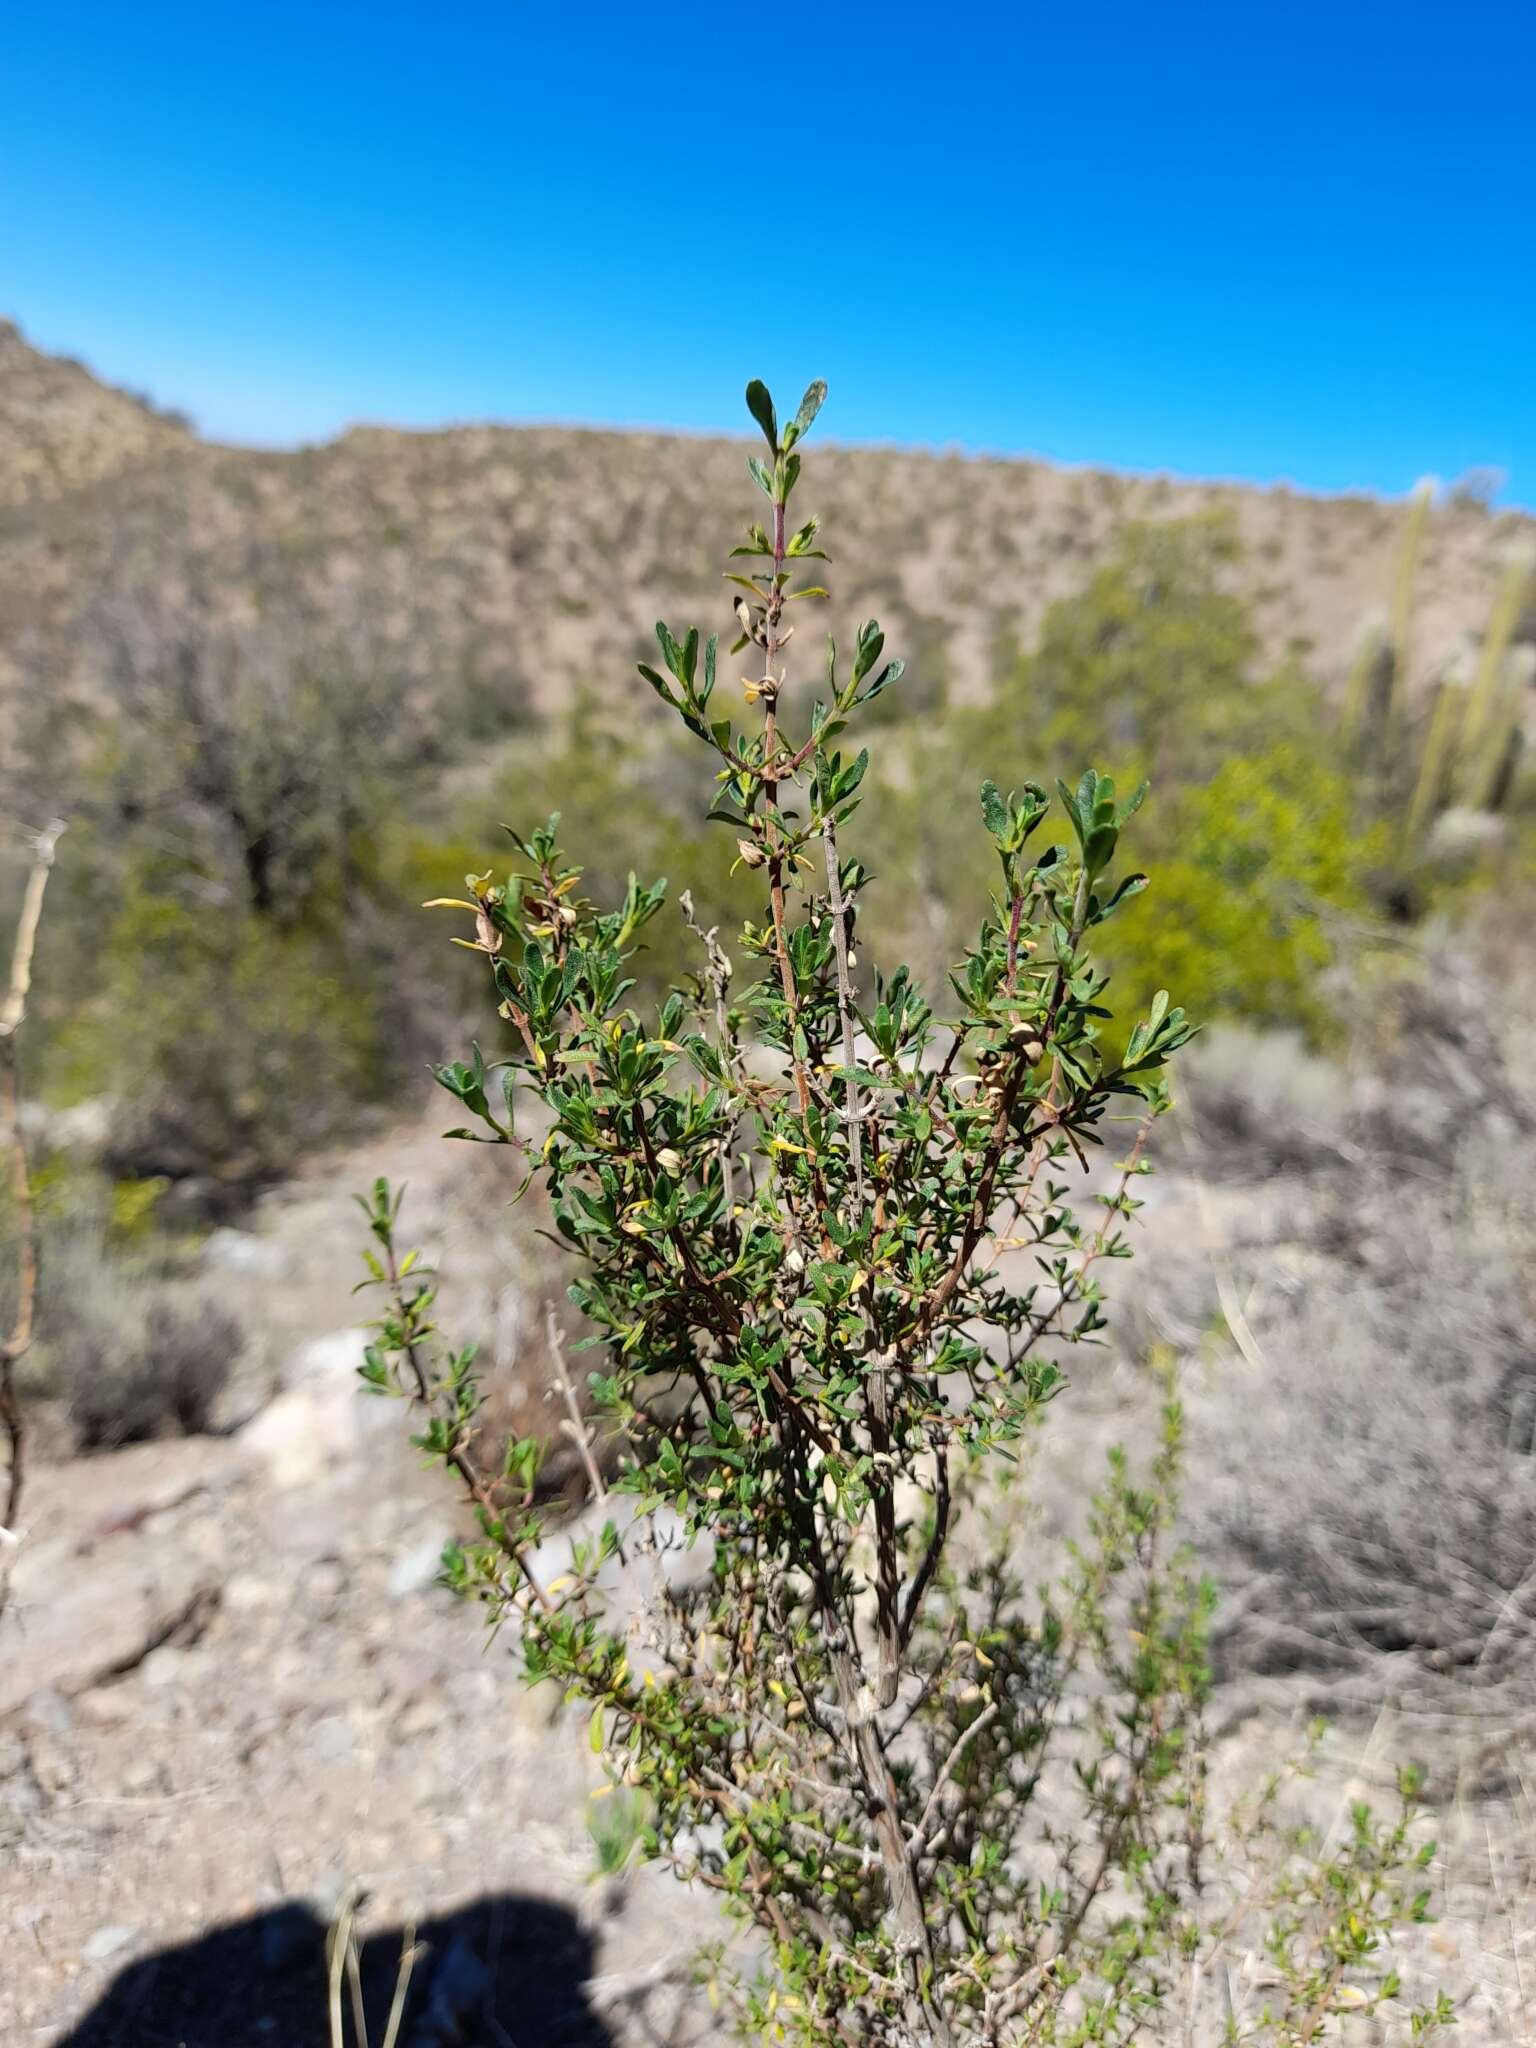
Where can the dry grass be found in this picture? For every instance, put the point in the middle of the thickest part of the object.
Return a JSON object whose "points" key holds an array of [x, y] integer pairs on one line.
{"points": [[1367, 1441]]}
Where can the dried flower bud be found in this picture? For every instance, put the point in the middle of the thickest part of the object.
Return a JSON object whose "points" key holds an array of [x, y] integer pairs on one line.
{"points": [[752, 854]]}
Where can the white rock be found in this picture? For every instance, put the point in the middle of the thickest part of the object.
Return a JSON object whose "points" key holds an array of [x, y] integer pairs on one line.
{"points": [[331, 1740], [299, 1439], [104, 1706], [108, 1941], [83, 1127], [172, 1666], [656, 1547], [415, 1569], [242, 1251], [320, 1422], [324, 1361], [245, 1592]]}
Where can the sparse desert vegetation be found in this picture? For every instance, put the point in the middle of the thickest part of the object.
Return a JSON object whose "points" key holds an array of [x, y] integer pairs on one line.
{"points": [[282, 699]]}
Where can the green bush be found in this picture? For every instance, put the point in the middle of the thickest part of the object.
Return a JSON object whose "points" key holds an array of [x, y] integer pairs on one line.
{"points": [[627, 798], [215, 962], [228, 1042], [1268, 863], [789, 1207], [1263, 855]]}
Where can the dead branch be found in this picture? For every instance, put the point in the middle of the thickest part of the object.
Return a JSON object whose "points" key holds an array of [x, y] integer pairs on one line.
{"points": [[12, 1017]]}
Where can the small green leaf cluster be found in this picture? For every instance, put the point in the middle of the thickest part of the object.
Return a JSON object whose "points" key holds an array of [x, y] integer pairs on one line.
{"points": [[825, 1246]]}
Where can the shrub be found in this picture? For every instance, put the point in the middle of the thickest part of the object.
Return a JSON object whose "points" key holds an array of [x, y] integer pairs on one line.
{"points": [[1261, 849], [1375, 1520], [1268, 861], [157, 1370], [240, 1004], [229, 1044], [791, 1195], [126, 1343]]}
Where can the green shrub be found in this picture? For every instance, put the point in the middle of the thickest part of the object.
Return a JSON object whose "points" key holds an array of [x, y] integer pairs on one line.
{"points": [[229, 1043], [1268, 859], [627, 799], [820, 1365]]}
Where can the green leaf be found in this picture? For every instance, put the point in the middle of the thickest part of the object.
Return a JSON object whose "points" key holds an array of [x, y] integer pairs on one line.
{"points": [[891, 673], [656, 683], [815, 398], [994, 814], [760, 405], [1132, 885], [1133, 803]]}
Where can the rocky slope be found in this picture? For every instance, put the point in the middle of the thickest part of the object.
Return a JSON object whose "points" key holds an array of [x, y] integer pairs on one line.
{"points": [[230, 1687], [531, 562], [62, 430]]}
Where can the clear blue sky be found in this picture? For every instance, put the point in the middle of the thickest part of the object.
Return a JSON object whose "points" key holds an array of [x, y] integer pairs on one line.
{"points": [[1250, 240]]}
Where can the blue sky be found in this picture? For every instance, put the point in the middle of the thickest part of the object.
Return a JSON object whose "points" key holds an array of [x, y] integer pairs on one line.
{"points": [[1258, 241]]}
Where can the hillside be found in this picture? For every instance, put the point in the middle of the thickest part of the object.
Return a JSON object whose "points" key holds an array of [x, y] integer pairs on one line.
{"points": [[62, 430], [325, 676], [530, 562]]}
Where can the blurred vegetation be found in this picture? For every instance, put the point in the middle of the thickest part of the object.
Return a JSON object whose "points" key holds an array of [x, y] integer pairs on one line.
{"points": [[235, 963], [1263, 863], [129, 1344]]}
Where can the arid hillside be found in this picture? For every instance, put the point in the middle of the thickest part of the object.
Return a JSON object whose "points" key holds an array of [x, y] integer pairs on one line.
{"points": [[529, 563], [62, 430], [278, 699]]}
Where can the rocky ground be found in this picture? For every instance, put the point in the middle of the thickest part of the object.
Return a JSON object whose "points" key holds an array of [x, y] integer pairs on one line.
{"points": [[230, 1688], [233, 1687]]}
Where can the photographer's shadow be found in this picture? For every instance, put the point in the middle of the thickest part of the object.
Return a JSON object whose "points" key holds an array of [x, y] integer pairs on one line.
{"points": [[508, 1969]]}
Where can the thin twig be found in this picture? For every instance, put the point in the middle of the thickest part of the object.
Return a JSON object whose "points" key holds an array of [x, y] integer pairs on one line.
{"points": [[355, 1989], [338, 1943], [947, 1770], [12, 1017], [719, 971], [925, 1571], [578, 1428], [409, 1951], [839, 911], [458, 1457]]}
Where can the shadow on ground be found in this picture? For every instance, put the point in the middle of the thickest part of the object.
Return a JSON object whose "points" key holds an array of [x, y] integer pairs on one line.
{"points": [[503, 1970]]}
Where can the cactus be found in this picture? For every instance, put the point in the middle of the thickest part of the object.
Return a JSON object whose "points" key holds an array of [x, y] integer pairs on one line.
{"points": [[1484, 734], [1368, 682], [1435, 762], [1405, 581], [1492, 771], [1381, 661]]}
